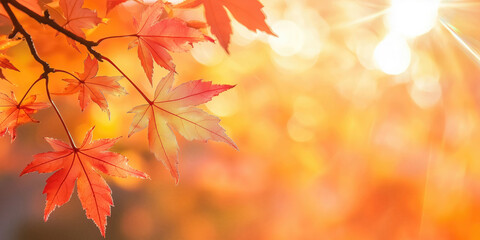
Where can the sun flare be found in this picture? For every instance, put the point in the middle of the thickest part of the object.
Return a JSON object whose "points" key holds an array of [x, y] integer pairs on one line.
{"points": [[392, 55], [412, 18], [405, 19]]}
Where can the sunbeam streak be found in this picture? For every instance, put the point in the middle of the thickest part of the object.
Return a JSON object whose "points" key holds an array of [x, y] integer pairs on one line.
{"points": [[361, 20], [453, 31]]}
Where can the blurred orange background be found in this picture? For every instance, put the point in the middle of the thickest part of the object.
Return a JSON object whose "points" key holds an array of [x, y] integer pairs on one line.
{"points": [[360, 121]]}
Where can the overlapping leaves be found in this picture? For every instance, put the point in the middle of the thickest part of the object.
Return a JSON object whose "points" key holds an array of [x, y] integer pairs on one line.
{"points": [[157, 34], [77, 18]]}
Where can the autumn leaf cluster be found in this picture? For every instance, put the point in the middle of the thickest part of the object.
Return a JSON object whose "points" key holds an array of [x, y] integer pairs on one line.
{"points": [[158, 33]]}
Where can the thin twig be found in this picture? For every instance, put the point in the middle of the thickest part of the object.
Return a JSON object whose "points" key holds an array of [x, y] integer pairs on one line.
{"points": [[112, 37], [30, 88], [129, 80], [72, 143], [66, 72]]}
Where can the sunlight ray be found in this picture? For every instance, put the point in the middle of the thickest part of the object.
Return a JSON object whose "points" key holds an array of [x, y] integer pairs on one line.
{"points": [[361, 20], [453, 31]]}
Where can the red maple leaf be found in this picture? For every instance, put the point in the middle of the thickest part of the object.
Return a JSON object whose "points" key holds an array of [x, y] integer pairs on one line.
{"points": [[157, 35], [78, 18], [13, 114], [6, 43], [82, 164], [92, 88], [113, 3], [174, 109], [5, 63], [247, 12]]}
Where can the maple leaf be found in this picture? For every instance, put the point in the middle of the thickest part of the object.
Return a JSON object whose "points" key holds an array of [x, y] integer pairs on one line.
{"points": [[6, 43], [247, 12], [113, 3], [92, 88], [5, 63], [157, 35], [12, 114], [77, 18], [83, 165], [174, 109]]}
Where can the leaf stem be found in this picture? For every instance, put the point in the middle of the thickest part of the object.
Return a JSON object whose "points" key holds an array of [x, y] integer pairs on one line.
{"points": [[118, 36], [30, 88], [72, 143], [66, 72], [129, 80], [140, 2]]}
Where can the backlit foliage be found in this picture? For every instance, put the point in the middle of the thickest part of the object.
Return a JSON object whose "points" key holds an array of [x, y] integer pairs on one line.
{"points": [[157, 31]]}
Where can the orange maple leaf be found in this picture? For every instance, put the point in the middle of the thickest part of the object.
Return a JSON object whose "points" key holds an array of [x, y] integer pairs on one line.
{"points": [[6, 42], [78, 18], [92, 88], [82, 164], [157, 34], [174, 109], [247, 12], [13, 114], [30, 4]]}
